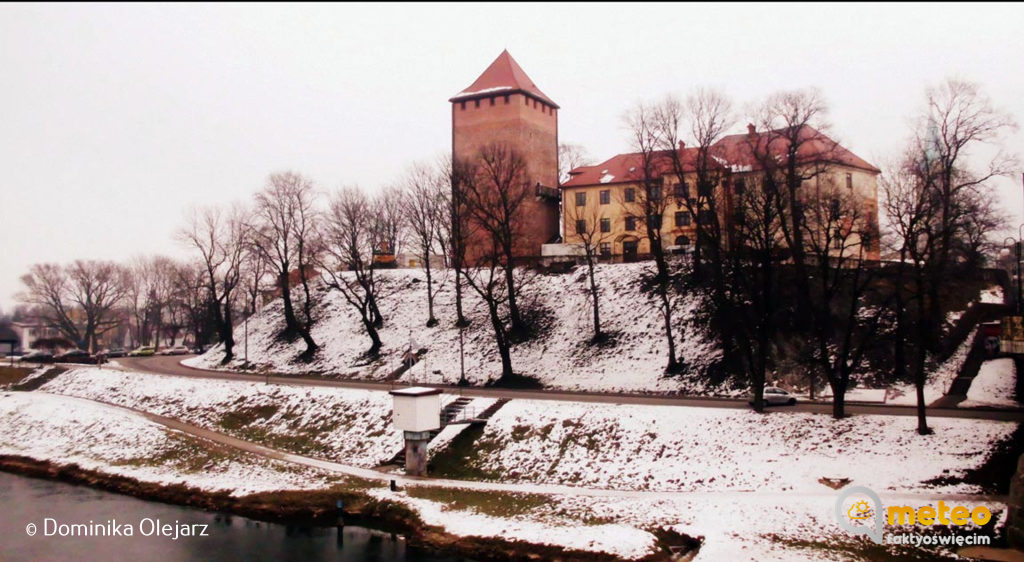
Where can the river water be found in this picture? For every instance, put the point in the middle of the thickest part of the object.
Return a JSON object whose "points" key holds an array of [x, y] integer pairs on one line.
{"points": [[48, 505]]}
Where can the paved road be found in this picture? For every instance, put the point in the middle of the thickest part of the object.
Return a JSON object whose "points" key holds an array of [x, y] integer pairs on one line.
{"points": [[171, 366]]}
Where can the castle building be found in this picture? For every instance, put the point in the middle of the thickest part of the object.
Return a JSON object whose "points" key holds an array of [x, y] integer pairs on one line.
{"points": [[504, 106], [601, 201]]}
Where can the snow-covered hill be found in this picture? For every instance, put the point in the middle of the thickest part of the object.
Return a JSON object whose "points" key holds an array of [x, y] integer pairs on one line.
{"points": [[559, 357]]}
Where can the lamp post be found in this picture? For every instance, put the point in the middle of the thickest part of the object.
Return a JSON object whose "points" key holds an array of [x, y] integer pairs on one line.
{"points": [[1017, 256]]}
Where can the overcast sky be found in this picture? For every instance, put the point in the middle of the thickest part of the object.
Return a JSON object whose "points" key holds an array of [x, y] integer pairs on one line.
{"points": [[117, 118]]}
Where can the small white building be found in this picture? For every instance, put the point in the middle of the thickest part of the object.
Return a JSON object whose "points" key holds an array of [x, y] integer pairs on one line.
{"points": [[417, 412]]}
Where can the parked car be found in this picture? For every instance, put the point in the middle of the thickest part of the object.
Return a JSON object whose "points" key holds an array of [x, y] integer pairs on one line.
{"points": [[176, 350], [199, 349], [37, 357], [775, 396], [75, 356], [116, 352], [144, 351]]}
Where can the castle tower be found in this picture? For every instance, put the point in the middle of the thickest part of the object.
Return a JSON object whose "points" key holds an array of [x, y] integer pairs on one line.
{"points": [[504, 105]]}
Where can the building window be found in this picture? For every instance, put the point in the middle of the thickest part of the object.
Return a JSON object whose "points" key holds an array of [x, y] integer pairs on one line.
{"points": [[654, 192], [833, 210], [682, 218], [739, 187], [682, 240], [654, 221], [581, 226], [865, 241], [631, 223], [837, 239], [606, 196], [704, 190], [681, 190], [849, 181], [606, 249], [705, 217], [581, 198], [606, 225], [630, 195]]}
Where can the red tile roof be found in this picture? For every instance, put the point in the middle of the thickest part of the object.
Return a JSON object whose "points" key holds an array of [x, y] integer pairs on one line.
{"points": [[625, 168], [815, 146], [734, 151], [504, 75]]}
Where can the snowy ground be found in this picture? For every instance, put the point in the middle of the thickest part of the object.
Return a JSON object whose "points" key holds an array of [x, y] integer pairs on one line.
{"points": [[96, 437], [939, 380], [708, 450], [995, 385], [559, 357], [348, 426], [737, 479]]}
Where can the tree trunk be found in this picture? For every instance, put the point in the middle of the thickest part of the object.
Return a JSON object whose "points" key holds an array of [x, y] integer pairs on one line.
{"points": [[499, 336], [431, 321], [227, 336], [673, 363], [593, 294]]}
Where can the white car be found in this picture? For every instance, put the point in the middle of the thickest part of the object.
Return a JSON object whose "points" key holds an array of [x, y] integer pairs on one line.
{"points": [[775, 396], [176, 350]]}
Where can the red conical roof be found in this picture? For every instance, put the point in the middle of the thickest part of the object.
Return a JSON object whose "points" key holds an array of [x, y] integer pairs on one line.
{"points": [[503, 76]]}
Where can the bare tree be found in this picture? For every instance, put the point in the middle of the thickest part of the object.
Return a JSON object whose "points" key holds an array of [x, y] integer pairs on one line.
{"points": [[47, 287], [222, 239], [646, 127], [839, 234], [460, 228], [495, 198], [349, 241], [79, 299], [932, 205], [425, 208], [594, 231], [570, 157], [285, 235], [486, 280]]}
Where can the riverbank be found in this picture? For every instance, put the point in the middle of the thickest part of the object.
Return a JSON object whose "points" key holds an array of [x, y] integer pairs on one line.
{"points": [[318, 508]]}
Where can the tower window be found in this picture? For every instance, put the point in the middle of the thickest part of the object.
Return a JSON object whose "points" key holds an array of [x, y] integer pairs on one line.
{"points": [[462, 105], [492, 101], [506, 99], [477, 102], [526, 101], [581, 198]]}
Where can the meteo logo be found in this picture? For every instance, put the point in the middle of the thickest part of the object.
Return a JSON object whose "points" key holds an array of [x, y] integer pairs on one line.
{"points": [[859, 511]]}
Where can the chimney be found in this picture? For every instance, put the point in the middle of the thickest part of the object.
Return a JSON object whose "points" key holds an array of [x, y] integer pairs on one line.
{"points": [[750, 129], [682, 145]]}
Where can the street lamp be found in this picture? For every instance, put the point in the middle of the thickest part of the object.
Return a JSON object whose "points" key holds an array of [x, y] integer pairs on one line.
{"points": [[1017, 254]]}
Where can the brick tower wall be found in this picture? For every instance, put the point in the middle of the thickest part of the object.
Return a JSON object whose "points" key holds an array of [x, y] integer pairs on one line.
{"points": [[531, 128]]}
